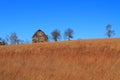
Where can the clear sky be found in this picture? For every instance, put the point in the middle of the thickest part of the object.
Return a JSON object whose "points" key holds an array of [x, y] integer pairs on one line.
{"points": [[87, 18]]}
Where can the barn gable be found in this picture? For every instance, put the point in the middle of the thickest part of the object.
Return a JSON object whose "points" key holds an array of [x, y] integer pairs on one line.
{"points": [[39, 36]]}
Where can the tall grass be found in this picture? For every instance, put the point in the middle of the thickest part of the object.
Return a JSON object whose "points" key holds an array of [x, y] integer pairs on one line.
{"points": [[97, 59]]}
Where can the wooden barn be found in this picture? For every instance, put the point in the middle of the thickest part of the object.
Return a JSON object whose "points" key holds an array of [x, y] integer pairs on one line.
{"points": [[39, 36]]}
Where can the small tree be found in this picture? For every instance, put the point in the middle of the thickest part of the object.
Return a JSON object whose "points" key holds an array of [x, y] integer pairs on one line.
{"points": [[13, 38], [55, 35], [68, 34], [109, 32], [3, 41], [24, 42]]}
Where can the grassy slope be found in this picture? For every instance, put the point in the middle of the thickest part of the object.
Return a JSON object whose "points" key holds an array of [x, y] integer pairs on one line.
{"points": [[71, 60]]}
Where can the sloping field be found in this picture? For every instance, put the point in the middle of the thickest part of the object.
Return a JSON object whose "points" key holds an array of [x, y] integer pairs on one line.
{"points": [[70, 60]]}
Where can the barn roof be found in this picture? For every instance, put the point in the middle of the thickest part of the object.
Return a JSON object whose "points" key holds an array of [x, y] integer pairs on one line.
{"points": [[37, 32]]}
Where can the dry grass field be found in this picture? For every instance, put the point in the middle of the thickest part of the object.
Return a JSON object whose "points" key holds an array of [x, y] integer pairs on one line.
{"points": [[97, 59]]}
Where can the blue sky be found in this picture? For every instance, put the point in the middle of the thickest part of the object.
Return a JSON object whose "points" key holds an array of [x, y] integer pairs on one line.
{"points": [[87, 18]]}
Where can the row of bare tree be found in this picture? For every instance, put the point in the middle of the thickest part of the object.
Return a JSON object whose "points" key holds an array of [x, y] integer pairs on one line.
{"points": [[12, 39], [68, 34], [56, 35]]}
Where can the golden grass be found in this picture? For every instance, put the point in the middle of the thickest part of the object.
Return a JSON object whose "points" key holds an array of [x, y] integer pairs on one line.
{"points": [[97, 59]]}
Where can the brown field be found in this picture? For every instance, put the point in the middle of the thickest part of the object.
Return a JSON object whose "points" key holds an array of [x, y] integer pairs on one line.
{"points": [[97, 59]]}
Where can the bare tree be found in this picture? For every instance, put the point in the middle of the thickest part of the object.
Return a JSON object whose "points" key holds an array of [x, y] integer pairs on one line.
{"points": [[68, 34], [55, 35], [24, 42], [13, 38], [109, 32]]}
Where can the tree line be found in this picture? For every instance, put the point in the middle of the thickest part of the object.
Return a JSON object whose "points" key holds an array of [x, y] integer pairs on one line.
{"points": [[12, 39], [68, 34], [55, 34]]}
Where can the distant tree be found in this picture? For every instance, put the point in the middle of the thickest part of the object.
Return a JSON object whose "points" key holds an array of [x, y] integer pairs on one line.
{"points": [[55, 35], [13, 38], [24, 41], [109, 32], [3, 41], [68, 34], [21, 42]]}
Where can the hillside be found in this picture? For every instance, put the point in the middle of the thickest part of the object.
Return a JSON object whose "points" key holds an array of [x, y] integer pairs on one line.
{"points": [[97, 59]]}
